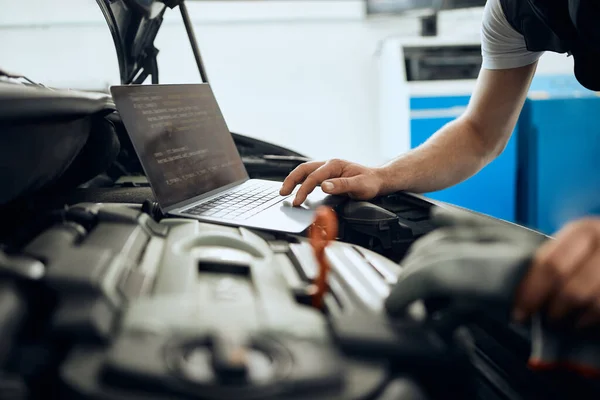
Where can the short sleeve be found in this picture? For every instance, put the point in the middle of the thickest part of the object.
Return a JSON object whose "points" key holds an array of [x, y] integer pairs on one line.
{"points": [[502, 47]]}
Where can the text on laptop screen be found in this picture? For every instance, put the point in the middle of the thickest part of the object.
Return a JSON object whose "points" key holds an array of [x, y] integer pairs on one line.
{"points": [[181, 138]]}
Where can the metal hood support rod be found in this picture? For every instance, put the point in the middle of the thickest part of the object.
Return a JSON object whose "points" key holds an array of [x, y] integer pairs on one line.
{"points": [[191, 35], [190, 31]]}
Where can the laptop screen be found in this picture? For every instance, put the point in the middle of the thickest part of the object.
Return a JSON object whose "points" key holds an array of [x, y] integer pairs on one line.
{"points": [[181, 138]]}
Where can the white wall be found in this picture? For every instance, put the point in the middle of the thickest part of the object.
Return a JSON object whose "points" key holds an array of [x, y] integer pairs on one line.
{"points": [[302, 74]]}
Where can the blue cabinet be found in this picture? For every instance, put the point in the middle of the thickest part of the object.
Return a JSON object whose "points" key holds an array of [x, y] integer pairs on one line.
{"points": [[549, 173], [559, 154], [493, 190]]}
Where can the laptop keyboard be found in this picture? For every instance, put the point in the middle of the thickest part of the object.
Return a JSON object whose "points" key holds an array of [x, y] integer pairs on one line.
{"points": [[241, 203]]}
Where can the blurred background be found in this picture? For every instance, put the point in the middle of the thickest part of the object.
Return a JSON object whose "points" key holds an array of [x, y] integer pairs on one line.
{"points": [[363, 80]]}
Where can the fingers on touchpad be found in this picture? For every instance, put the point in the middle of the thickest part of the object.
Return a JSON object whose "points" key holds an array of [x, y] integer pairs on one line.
{"points": [[289, 203]]}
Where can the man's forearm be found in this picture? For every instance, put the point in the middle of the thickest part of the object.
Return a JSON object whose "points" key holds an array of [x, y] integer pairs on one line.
{"points": [[452, 155]]}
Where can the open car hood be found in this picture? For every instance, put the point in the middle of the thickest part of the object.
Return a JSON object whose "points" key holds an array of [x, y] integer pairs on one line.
{"points": [[134, 25]]}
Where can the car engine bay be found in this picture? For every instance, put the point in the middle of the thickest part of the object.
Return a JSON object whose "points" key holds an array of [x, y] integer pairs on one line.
{"points": [[103, 296]]}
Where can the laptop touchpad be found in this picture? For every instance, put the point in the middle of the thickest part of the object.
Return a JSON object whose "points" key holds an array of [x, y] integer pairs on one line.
{"points": [[319, 198]]}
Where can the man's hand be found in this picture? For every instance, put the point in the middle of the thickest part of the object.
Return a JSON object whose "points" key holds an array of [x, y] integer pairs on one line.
{"points": [[335, 177], [564, 278]]}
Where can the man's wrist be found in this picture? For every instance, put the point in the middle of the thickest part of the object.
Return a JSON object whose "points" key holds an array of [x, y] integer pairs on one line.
{"points": [[387, 180]]}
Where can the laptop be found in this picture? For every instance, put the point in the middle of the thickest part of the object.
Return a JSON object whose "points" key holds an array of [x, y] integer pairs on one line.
{"points": [[192, 163]]}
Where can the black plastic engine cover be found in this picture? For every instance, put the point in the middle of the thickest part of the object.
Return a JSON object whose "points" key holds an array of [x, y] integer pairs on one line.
{"points": [[182, 309]]}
